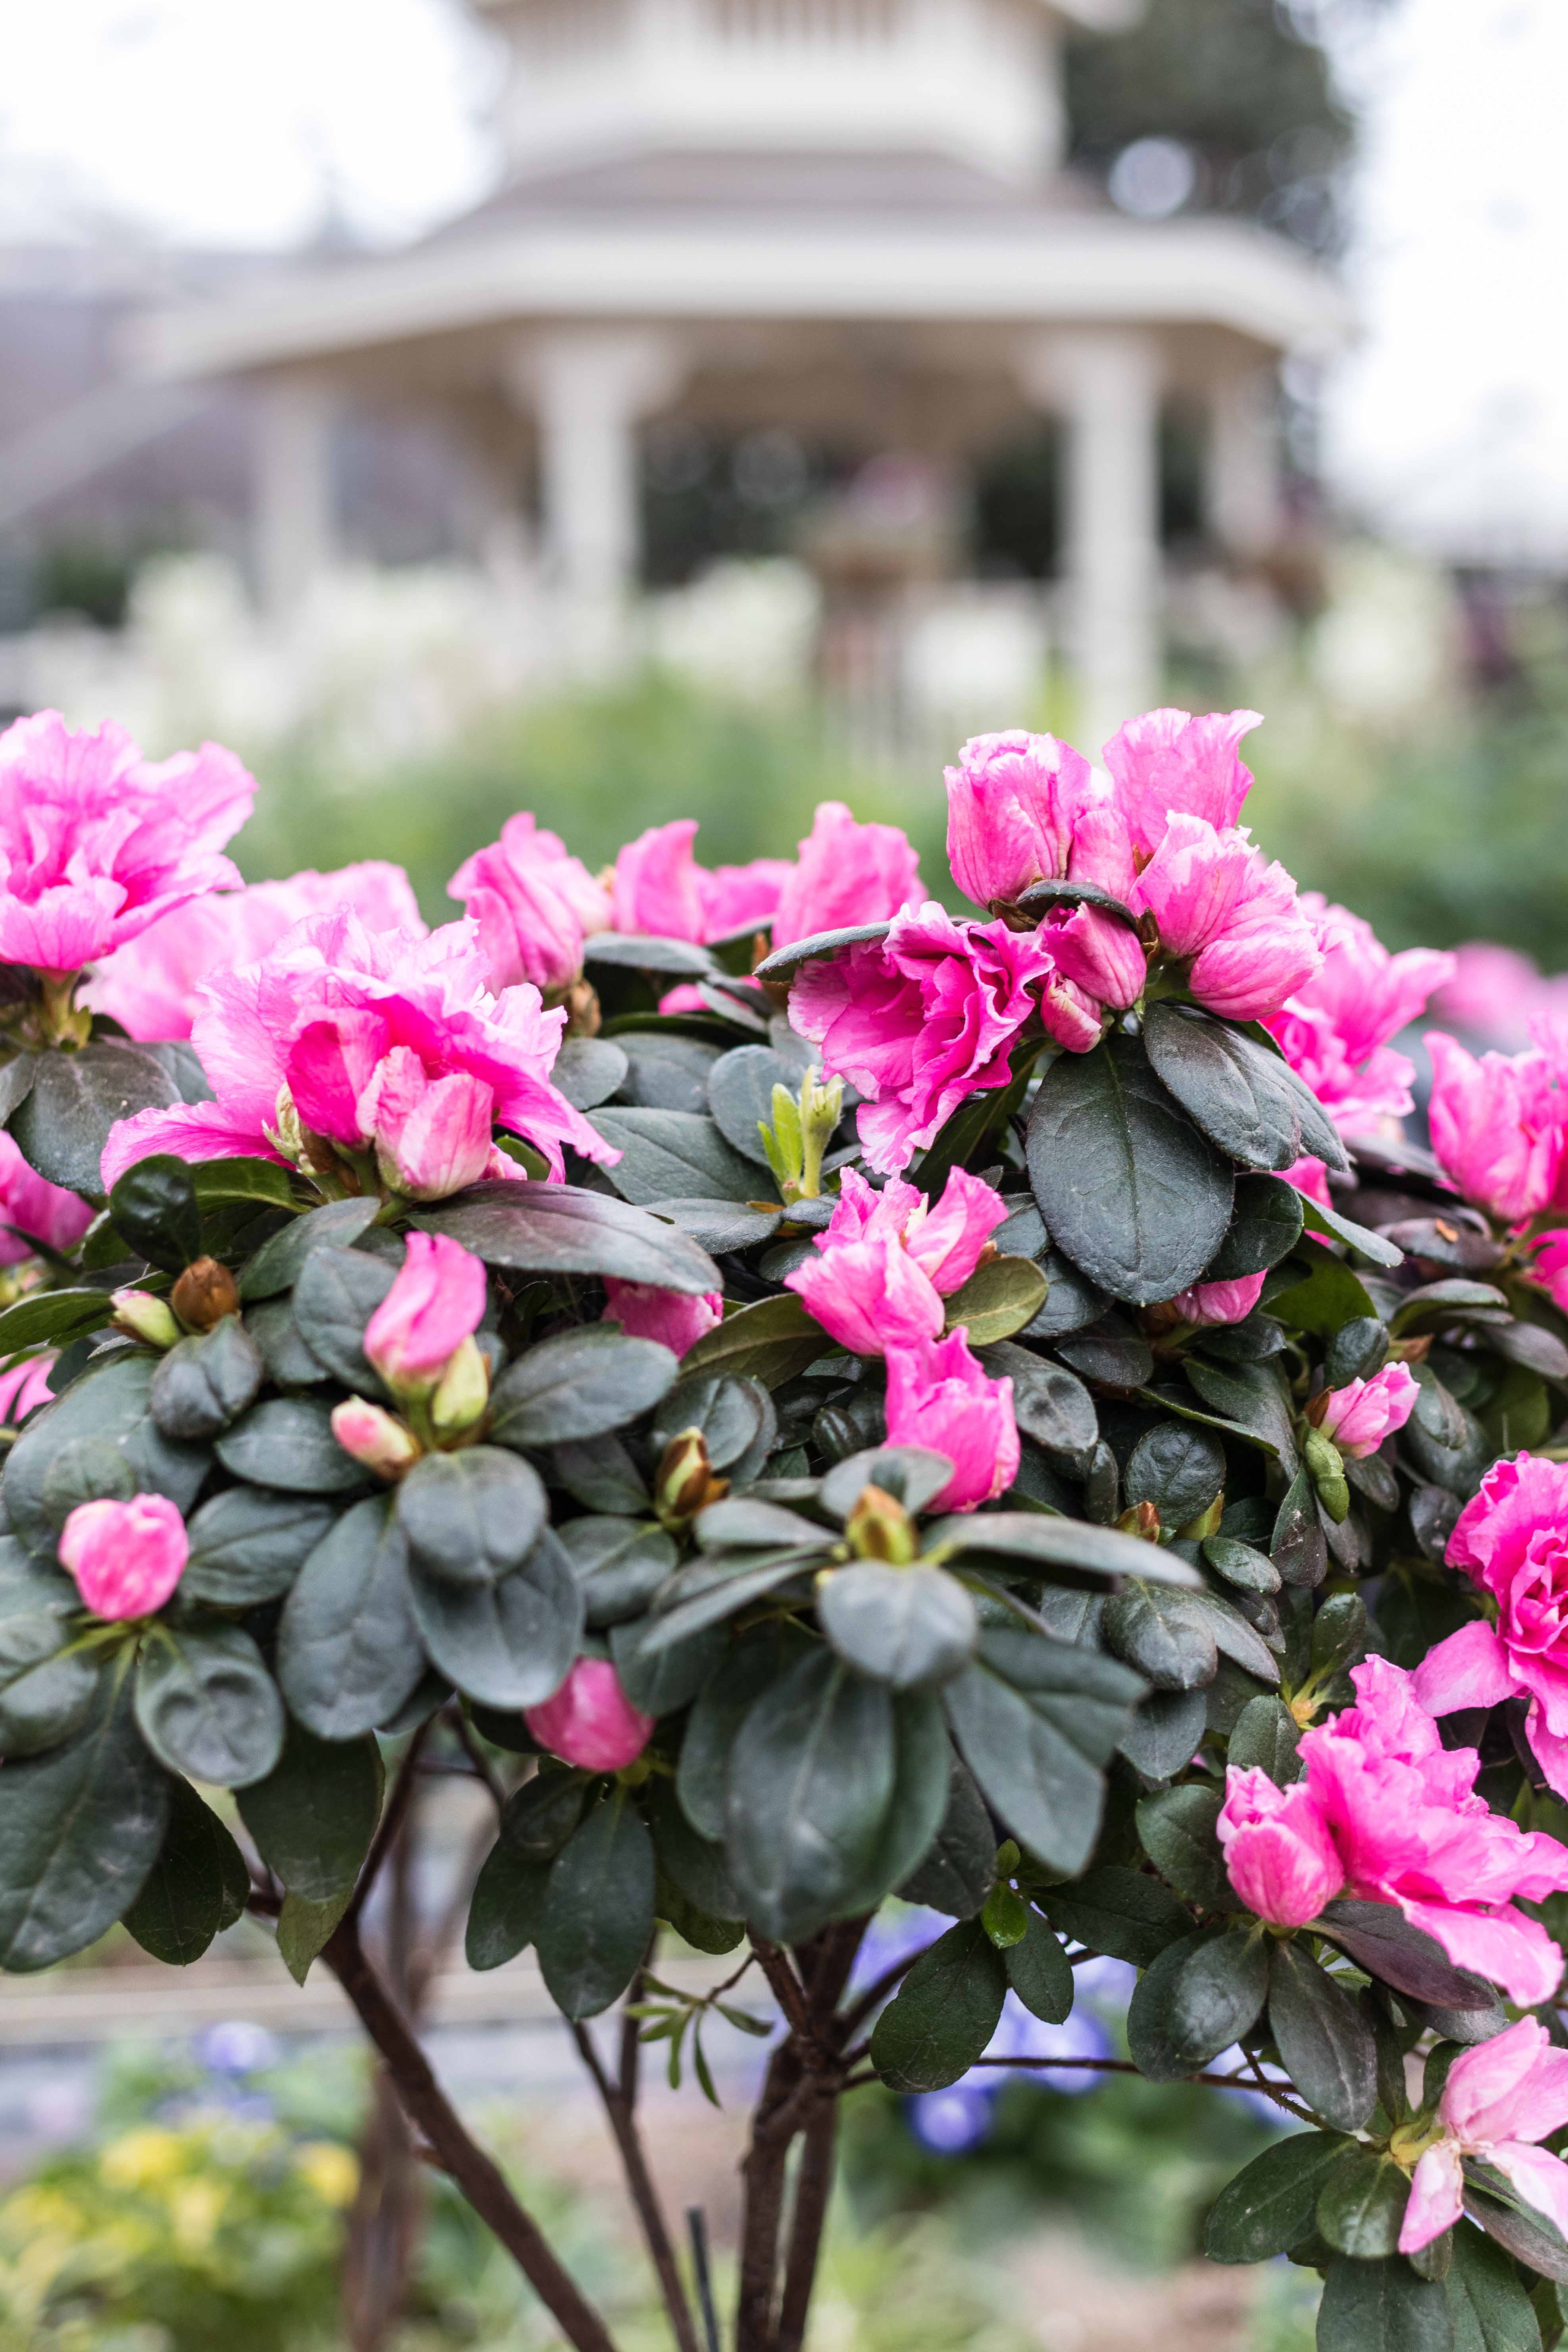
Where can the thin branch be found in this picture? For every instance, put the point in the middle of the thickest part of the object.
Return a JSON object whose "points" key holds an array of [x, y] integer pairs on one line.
{"points": [[476, 2174], [788, 1990], [457, 1723], [1113, 2066], [392, 1820], [814, 2184], [644, 2195]]}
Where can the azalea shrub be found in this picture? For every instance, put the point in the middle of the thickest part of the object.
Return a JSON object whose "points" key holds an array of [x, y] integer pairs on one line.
{"points": [[814, 1401]]}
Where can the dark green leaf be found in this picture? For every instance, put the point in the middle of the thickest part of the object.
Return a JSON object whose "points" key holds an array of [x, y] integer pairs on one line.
{"points": [[1325, 2045], [278, 1263], [1378, 1938], [956, 1874], [661, 1678], [560, 1229], [731, 1414], [1000, 1297], [588, 1071], [599, 1909], [1037, 1721], [304, 1929], [620, 1564], [784, 961], [47, 1697], [1362, 2202], [1331, 1296], [1162, 1634], [944, 2013], [906, 1626], [1166, 1733], [770, 1341], [740, 1096], [79, 1830], [1298, 1546], [288, 1443], [537, 1818], [313, 1817], [683, 958], [1039, 1973], [155, 1209], [1072, 1301], [1272, 2205], [1128, 1187], [46, 1317], [337, 1292], [1123, 1913], [1266, 1740], [198, 1885], [1526, 2234], [1490, 2308], [507, 1644], [85, 1470], [671, 1155], [206, 1705], [580, 1384], [16, 1076], [1362, 1243], [1241, 1564], [707, 1592], [109, 1403], [75, 1098], [600, 1474], [719, 1225], [1381, 2308], [259, 1183], [1109, 1351], [349, 1651], [1265, 1226], [471, 1518], [1056, 1543], [757, 1660], [1195, 1999], [1050, 1404], [739, 1523], [1177, 1828], [695, 1864], [922, 1754], [1254, 1397], [913, 1475], [247, 1546], [508, 1909], [1237, 1094], [1177, 1466], [207, 1381]]}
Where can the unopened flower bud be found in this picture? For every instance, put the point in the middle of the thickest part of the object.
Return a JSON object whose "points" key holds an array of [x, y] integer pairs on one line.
{"points": [[1323, 1459], [436, 1303], [127, 1558], [879, 1528], [1142, 1520], [686, 1484], [1206, 1524], [464, 1392], [384, 1444], [145, 1318], [205, 1293]]}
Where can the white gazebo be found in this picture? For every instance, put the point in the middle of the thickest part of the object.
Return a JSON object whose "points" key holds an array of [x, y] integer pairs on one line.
{"points": [[832, 215]]}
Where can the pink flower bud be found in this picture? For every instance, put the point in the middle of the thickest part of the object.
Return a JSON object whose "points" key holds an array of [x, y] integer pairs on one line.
{"points": [[375, 1437], [1231, 917], [437, 1302], [591, 1722], [939, 1397], [1278, 1851], [127, 1558], [1220, 1302], [1360, 1416], [1012, 804], [646, 1311], [146, 1318]]}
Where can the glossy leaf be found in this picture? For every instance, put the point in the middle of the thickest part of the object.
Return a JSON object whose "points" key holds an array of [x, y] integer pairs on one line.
{"points": [[313, 1817], [471, 1518], [349, 1649], [198, 1884], [507, 1644], [75, 1098], [287, 1442], [580, 1384], [599, 1909], [910, 1627], [536, 1228], [206, 1705], [770, 1341], [944, 2013], [1235, 1091], [1325, 2044], [1037, 1721], [247, 1546]]}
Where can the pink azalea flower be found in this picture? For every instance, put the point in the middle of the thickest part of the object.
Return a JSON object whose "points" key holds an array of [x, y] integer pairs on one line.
{"points": [[1279, 1854], [1512, 1539], [591, 1722], [739, 898], [127, 1558], [96, 843], [437, 1301], [1495, 993], [870, 1294], [1500, 2101], [644, 1311], [1168, 763], [150, 986], [535, 905], [847, 873], [1549, 1264], [1359, 1416], [921, 1019], [1410, 1830], [946, 1238], [384, 1046], [1098, 953], [375, 1437], [1496, 1127], [1223, 909], [938, 1396], [1012, 804], [1220, 1302], [32, 1210], [888, 1259], [657, 887], [24, 1385]]}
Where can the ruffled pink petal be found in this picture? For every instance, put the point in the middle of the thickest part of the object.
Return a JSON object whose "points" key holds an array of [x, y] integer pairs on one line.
{"points": [[1502, 1946], [1436, 2197], [190, 1131], [1541, 2178], [1469, 1669]]}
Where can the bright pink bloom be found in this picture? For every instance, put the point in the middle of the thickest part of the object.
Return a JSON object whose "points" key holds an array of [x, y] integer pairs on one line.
{"points": [[888, 1259], [1098, 954], [1168, 763], [437, 1302], [1012, 804], [1221, 907], [946, 1238], [375, 1437], [150, 986], [1496, 1125], [740, 898], [96, 843], [1495, 993], [644, 1311], [938, 1396], [1359, 1416], [127, 1558], [921, 1019], [870, 1294], [591, 1722], [847, 873], [1500, 2099], [535, 905], [24, 1385], [658, 888], [1277, 1852], [1220, 1302], [1408, 1826], [1512, 1539], [32, 1210], [1549, 1265], [363, 1037]]}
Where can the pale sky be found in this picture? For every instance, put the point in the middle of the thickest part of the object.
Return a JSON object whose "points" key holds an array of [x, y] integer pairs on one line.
{"points": [[230, 122]]}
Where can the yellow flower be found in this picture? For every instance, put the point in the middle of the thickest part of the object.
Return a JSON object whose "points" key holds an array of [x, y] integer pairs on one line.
{"points": [[331, 2169], [141, 2159]]}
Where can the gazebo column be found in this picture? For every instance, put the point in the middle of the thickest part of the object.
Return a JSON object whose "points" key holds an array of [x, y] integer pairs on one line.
{"points": [[590, 388], [1244, 507], [1105, 383], [294, 515]]}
